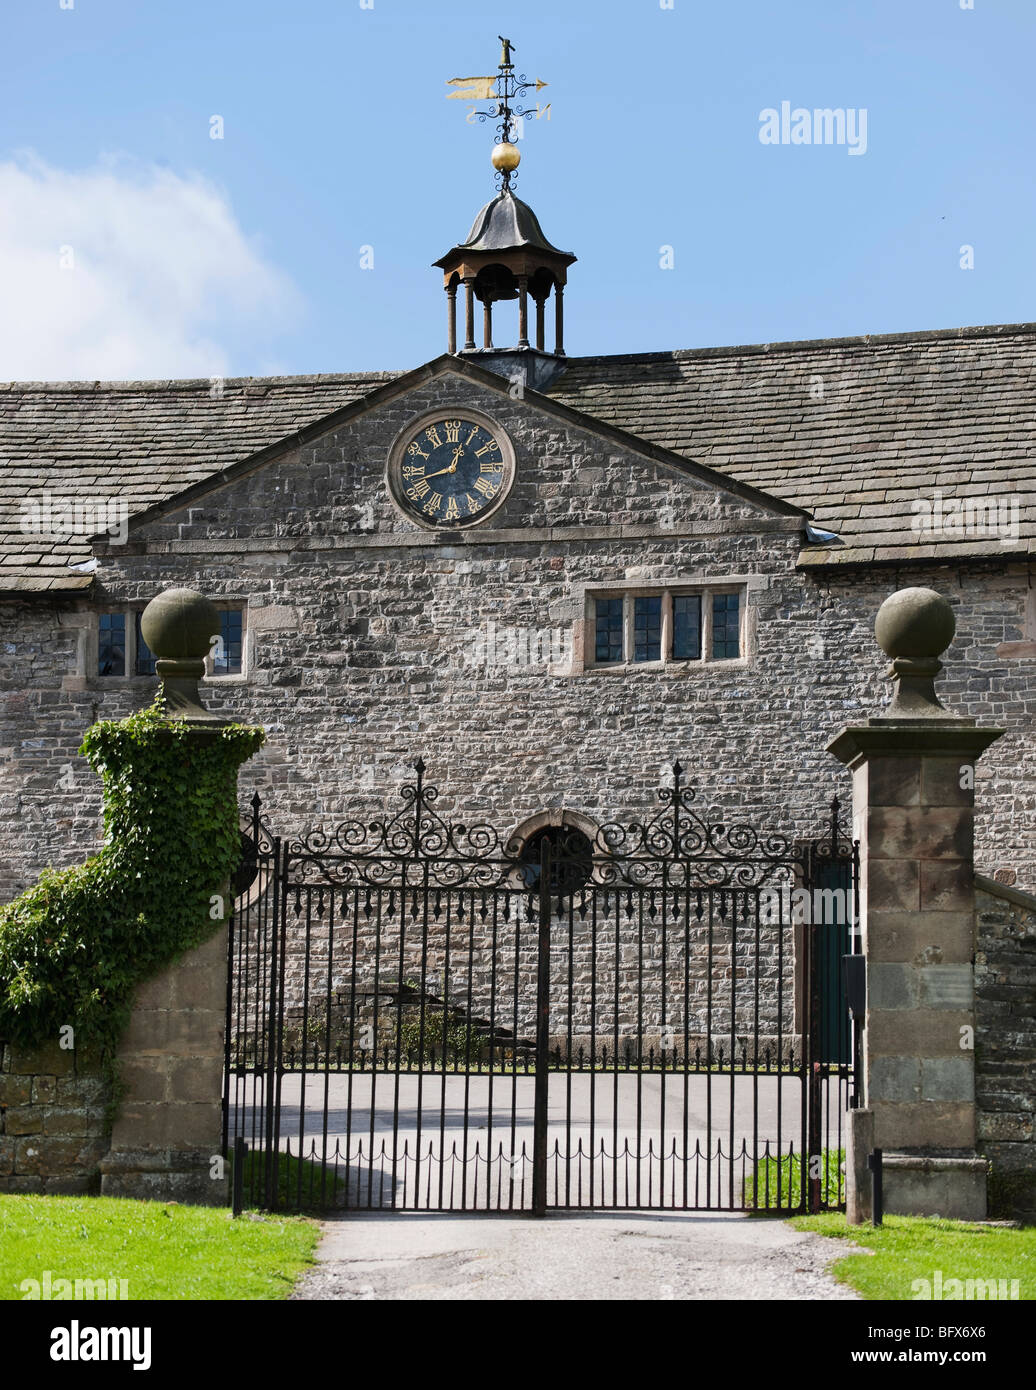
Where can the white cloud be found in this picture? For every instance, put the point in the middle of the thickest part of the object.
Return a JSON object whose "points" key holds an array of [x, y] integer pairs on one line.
{"points": [[164, 283]]}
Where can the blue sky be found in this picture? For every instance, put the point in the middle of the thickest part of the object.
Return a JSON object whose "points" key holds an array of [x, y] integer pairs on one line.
{"points": [[195, 256]]}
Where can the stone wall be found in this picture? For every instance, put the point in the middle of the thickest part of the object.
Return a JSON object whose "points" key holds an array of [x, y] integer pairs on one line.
{"points": [[52, 1119], [1005, 1062]]}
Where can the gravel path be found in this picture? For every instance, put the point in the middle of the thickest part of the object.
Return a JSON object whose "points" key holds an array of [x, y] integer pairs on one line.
{"points": [[606, 1255]]}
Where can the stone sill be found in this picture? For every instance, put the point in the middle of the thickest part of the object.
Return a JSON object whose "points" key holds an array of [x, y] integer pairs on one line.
{"points": [[674, 668], [102, 683]]}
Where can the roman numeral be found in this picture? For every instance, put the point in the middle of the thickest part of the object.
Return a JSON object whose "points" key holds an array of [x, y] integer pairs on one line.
{"points": [[488, 466], [433, 504], [452, 510], [452, 428], [418, 490], [415, 450], [415, 470], [473, 506], [471, 436], [487, 489], [486, 448], [432, 435]]}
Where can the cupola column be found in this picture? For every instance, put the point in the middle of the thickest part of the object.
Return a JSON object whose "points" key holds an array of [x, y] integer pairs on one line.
{"points": [[523, 311], [451, 317], [469, 314], [541, 300], [487, 323], [559, 319]]}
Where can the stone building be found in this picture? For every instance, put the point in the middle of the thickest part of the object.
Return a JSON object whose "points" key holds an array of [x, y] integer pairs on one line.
{"points": [[548, 576]]}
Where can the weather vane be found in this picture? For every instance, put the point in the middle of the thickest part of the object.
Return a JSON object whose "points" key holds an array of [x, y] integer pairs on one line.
{"points": [[503, 90]]}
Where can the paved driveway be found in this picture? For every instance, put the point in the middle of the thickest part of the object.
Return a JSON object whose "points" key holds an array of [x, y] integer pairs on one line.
{"points": [[611, 1255], [402, 1141]]}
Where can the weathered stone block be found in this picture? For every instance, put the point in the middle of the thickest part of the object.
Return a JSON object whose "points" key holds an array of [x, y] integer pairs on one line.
{"points": [[941, 783], [195, 1080], [895, 1080], [893, 781], [15, 1090], [922, 832], [948, 1078], [1005, 1127], [920, 938], [44, 1090], [24, 1119], [47, 1059], [924, 1125], [953, 1188], [892, 986], [947, 886], [947, 987], [893, 885], [916, 1032], [72, 1119]]}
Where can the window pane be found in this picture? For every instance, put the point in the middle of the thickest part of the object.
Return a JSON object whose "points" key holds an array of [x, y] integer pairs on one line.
{"points": [[228, 663], [647, 629], [686, 627], [111, 644], [726, 625], [608, 638], [145, 663]]}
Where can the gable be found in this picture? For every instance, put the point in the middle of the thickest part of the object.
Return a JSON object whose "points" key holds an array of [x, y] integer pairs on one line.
{"points": [[570, 475]]}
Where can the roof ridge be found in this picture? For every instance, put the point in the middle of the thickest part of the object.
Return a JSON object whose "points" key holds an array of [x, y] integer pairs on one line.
{"points": [[199, 382], [996, 330]]}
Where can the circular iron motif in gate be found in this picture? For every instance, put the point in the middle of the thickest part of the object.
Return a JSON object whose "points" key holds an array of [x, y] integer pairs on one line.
{"points": [[571, 858]]}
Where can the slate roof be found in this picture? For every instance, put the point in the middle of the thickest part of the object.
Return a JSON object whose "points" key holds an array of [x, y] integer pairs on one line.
{"points": [[144, 440], [852, 430]]}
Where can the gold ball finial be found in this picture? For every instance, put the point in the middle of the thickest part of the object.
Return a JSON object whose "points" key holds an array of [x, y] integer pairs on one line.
{"points": [[506, 157]]}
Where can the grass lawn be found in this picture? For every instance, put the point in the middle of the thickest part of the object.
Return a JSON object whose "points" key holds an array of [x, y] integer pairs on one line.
{"points": [[165, 1251], [774, 1183], [914, 1247]]}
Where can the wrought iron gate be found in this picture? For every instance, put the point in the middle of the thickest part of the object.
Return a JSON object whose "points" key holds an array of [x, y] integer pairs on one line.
{"points": [[422, 1015]]}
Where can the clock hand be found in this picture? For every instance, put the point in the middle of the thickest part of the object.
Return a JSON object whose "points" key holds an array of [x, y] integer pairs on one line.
{"points": [[452, 468]]}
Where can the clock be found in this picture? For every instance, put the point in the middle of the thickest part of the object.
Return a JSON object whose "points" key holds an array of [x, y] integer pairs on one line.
{"points": [[451, 469]]}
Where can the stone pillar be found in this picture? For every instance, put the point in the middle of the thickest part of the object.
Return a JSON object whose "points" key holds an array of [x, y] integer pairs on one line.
{"points": [[167, 1137], [913, 812]]}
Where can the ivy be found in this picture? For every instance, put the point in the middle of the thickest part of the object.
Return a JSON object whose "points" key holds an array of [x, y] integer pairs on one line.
{"points": [[74, 947]]}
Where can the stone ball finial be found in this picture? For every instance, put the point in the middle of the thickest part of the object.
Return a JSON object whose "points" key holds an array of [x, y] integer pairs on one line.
{"points": [[917, 624], [179, 625]]}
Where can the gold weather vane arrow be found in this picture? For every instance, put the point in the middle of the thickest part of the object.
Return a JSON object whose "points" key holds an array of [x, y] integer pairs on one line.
{"points": [[502, 90], [472, 89]]}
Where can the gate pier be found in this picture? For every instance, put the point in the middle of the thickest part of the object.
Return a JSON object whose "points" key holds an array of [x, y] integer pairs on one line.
{"points": [[913, 812]]}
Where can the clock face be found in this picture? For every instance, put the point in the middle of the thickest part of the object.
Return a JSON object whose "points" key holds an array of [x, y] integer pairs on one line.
{"points": [[451, 471]]}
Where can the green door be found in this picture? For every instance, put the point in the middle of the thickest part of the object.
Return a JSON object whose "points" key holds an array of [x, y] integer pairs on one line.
{"points": [[832, 913]]}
